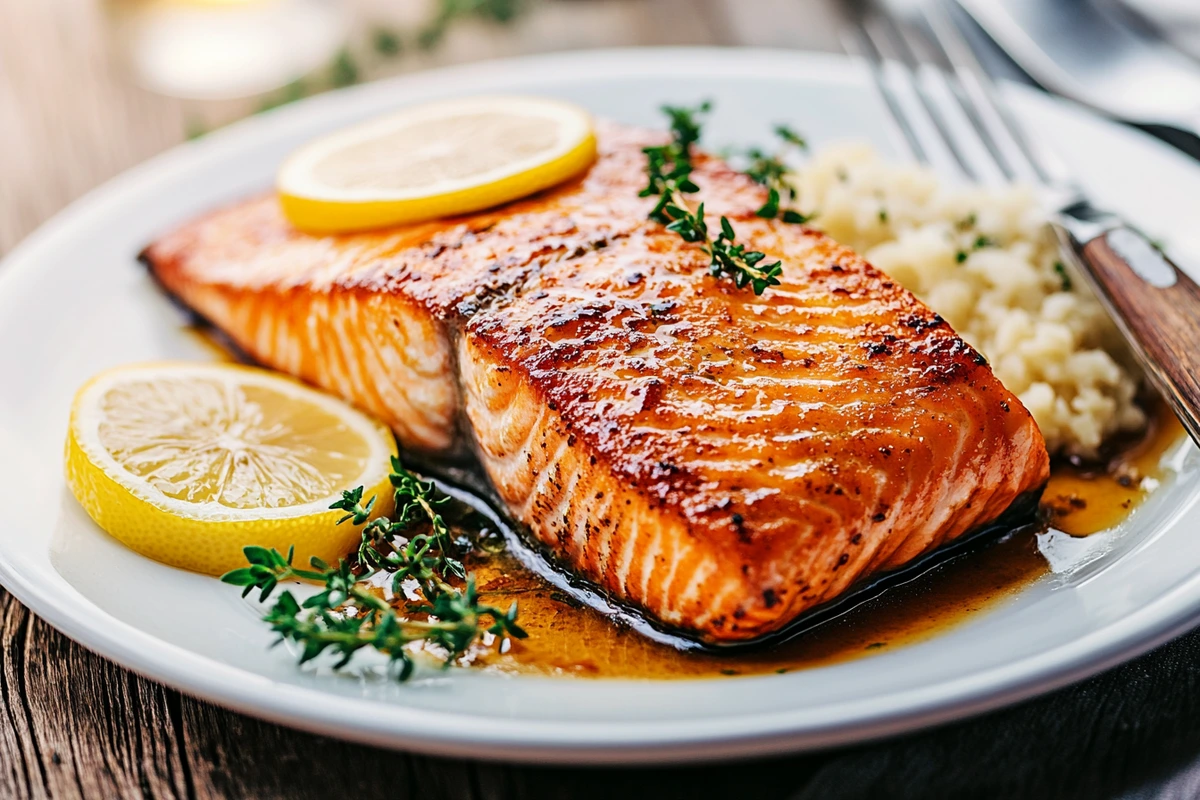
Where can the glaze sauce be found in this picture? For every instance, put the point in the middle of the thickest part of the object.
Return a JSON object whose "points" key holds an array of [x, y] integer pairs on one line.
{"points": [[568, 638], [1084, 499]]}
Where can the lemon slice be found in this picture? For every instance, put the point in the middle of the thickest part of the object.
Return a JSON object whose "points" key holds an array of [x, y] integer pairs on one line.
{"points": [[188, 463], [435, 160]]}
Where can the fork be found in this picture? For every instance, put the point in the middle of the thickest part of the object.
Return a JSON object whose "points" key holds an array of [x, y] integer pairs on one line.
{"points": [[953, 119]]}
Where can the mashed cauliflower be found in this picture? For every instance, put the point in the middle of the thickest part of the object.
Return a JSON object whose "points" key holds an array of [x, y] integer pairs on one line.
{"points": [[986, 261]]}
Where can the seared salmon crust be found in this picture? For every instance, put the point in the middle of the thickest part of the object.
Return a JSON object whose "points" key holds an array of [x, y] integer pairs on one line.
{"points": [[721, 461]]}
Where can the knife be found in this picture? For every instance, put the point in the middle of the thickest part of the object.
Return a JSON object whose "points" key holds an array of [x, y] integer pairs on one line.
{"points": [[1089, 54]]}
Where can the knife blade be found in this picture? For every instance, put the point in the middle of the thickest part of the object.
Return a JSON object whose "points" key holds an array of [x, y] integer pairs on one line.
{"points": [[1086, 53]]}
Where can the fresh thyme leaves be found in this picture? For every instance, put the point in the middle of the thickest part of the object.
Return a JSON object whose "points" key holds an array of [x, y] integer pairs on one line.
{"points": [[415, 546], [424, 556], [668, 172], [772, 171], [791, 137]]}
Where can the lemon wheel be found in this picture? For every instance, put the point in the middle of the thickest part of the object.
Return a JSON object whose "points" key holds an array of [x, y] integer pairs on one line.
{"points": [[435, 160], [189, 463]]}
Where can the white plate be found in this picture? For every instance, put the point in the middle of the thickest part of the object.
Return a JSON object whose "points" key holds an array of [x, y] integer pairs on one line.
{"points": [[73, 301]]}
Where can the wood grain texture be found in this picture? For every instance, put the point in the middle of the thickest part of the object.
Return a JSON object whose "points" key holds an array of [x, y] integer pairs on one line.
{"points": [[1158, 307], [74, 725]]}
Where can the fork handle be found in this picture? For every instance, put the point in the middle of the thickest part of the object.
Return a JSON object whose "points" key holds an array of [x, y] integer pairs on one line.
{"points": [[1156, 305]]}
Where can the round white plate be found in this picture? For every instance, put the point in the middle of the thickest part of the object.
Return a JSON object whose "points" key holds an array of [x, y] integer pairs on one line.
{"points": [[73, 301]]}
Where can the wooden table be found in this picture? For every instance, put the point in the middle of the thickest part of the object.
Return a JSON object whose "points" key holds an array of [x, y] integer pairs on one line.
{"points": [[72, 724]]}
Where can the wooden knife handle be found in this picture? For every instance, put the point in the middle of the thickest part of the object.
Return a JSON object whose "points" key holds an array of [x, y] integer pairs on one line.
{"points": [[1157, 307]]}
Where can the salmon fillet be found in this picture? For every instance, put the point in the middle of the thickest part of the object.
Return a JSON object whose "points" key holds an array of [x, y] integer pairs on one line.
{"points": [[723, 462]]}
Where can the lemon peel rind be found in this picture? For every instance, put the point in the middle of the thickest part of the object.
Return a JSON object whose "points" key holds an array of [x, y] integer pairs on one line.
{"points": [[323, 216]]}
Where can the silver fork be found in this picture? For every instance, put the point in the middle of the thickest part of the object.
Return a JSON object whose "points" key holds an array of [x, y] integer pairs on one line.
{"points": [[953, 119]]}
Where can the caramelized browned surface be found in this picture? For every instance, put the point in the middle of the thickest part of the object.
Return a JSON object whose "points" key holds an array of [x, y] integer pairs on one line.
{"points": [[724, 461]]}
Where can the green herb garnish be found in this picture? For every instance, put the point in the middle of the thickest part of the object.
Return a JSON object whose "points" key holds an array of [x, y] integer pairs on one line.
{"points": [[772, 171], [385, 41], [668, 171], [344, 70], [1065, 279], [979, 243], [789, 136], [448, 11], [416, 546]]}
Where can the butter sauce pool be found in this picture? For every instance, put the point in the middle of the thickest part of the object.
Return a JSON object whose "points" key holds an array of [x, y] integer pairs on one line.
{"points": [[569, 638]]}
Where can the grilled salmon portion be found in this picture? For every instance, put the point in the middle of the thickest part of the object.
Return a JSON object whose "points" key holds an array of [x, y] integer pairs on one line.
{"points": [[721, 461]]}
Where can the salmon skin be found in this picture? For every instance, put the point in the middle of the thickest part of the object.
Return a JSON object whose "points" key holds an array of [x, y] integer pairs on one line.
{"points": [[724, 463]]}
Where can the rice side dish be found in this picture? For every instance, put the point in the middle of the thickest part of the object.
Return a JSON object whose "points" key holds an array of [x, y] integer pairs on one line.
{"points": [[985, 260]]}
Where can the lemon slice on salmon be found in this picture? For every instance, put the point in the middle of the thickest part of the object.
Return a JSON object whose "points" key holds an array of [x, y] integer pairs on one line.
{"points": [[435, 160], [188, 463]]}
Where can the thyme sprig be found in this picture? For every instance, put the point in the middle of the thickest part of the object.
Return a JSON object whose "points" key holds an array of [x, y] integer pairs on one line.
{"points": [[348, 615], [772, 171], [668, 171], [424, 556]]}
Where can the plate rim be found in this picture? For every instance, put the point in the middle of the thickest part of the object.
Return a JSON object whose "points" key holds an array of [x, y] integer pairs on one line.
{"points": [[544, 741]]}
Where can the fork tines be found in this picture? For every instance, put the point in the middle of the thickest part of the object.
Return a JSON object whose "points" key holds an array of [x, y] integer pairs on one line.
{"points": [[949, 113]]}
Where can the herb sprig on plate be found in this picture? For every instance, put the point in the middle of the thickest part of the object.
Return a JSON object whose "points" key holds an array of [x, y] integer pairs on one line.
{"points": [[668, 171], [416, 548], [772, 171]]}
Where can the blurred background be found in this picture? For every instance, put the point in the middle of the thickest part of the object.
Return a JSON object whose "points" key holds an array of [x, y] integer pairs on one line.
{"points": [[91, 87]]}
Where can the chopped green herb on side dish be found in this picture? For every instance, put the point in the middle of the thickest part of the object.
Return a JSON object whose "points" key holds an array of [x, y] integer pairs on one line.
{"points": [[414, 546], [1061, 270], [668, 171], [979, 243]]}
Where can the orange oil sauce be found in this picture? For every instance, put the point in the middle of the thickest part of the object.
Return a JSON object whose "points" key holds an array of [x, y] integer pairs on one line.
{"points": [[1082, 500], [568, 638]]}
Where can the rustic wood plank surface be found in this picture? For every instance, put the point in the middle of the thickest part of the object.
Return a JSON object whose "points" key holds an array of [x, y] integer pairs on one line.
{"points": [[74, 725]]}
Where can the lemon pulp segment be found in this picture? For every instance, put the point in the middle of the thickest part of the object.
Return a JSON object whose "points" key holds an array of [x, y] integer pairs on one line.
{"points": [[189, 463]]}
